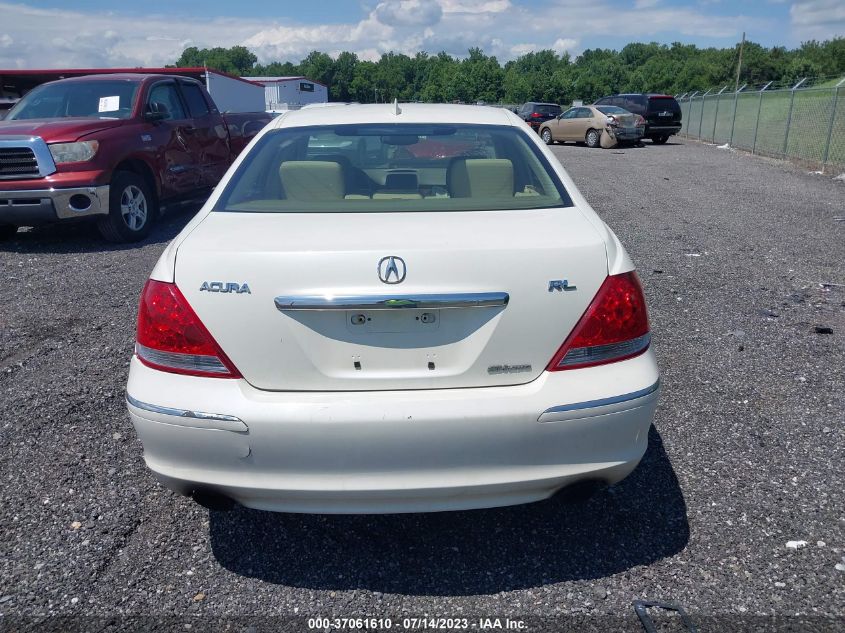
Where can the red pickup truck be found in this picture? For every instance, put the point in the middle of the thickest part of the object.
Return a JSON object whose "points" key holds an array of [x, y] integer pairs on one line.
{"points": [[114, 148]]}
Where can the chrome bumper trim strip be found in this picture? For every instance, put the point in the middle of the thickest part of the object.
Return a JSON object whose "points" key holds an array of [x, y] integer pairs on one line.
{"points": [[397, 302], [590, 404], [98, 199], [217, 420]]}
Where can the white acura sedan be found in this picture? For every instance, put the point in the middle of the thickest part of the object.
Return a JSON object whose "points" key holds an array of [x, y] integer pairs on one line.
{"points": [[389, 308]]}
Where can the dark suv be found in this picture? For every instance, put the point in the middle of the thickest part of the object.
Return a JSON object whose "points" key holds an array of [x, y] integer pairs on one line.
{"points": [[535, 113], [662, 113]]}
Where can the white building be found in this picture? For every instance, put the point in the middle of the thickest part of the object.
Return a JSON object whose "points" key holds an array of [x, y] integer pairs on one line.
{"points": [[291, 93]]}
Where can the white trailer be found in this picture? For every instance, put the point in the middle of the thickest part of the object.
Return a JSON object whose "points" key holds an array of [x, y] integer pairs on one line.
{"points": [[291, 93], [232, 94]]}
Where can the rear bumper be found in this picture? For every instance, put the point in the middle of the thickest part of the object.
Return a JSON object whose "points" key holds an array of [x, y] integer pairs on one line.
{"points": [[394, 451], [622, 134], [536, 124], [662, 130], [40, 206]]}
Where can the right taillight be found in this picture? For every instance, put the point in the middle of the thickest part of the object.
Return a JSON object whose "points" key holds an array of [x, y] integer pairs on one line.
{"points": [[172, 338], [614, 326]]}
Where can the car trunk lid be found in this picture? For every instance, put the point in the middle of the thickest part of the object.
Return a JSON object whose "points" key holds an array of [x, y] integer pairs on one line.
{"points": [[496, 294], [663, 111]]}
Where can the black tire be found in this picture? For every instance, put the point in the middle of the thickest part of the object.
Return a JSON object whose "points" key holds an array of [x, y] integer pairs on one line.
{"points": [[546, 135], [132, 209], [659, 140], [7, 231], [593, 138]]}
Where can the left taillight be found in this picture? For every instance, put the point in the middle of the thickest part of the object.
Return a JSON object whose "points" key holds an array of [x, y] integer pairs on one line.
{"points": [[172, 338], [614, 326]]}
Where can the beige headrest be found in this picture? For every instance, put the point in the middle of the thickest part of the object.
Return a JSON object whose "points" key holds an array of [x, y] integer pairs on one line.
{"points": [[480, 178], [312, 180]]}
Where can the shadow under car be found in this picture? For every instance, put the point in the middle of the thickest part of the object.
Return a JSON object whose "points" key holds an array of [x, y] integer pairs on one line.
{"points": [[638, 521]]}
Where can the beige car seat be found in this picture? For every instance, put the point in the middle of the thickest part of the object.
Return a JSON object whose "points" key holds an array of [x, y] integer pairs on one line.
{"points": [[311, 180], [480, 178]]}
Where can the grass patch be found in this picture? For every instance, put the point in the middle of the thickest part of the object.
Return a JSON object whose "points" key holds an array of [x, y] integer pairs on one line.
{"points": [[806, 138]]}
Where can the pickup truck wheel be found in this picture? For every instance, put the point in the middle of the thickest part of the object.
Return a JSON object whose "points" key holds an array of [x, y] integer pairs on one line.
{"points": [[132, 209], [7, 231], [593, 138], [546, 135]]}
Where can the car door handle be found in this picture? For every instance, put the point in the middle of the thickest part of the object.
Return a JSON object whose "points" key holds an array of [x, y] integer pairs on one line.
{"points": [[391, 302], [189, 130]]}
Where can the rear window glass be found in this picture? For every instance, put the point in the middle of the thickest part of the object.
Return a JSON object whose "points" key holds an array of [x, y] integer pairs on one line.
{"points": [[633, 103], [393, 167], [663, 103], [543, 108], [611, 110]]}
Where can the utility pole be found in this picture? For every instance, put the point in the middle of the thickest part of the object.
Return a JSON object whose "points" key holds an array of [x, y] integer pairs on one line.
{"points": [[739, 64]]}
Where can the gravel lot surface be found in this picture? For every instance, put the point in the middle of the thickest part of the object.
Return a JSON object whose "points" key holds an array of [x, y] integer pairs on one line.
{"points": [[746, 453]]}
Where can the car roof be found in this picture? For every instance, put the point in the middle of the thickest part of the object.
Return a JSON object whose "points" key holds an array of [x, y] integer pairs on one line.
{"points": [[134, 77], [642, 94], [386, 113]]}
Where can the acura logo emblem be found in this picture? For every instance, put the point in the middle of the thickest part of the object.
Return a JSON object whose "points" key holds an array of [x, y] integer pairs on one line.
{"points": [[391, 269]]}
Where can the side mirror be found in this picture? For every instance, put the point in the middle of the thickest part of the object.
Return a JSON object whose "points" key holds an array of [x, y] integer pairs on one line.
{"points": [[153, 117], [156, 111]]}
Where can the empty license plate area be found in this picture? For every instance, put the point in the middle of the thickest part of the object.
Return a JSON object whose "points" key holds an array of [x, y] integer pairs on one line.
{"points": [[392, 321]]}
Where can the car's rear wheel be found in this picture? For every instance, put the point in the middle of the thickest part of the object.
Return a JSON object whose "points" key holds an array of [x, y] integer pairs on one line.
{"points": [[593, 138], [659, 140], [546, 135], [132, 209], [7, 231]]}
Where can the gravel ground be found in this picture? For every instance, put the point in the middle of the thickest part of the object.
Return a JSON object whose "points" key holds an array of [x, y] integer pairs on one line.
{"points": [[741, 259]]}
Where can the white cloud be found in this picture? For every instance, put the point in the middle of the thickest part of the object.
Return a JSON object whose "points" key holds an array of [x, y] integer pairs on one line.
{"points": [[645, 4], [67, 38], [819, 19], [408, 12], [475, 6], [521, 49], [564, 45]]}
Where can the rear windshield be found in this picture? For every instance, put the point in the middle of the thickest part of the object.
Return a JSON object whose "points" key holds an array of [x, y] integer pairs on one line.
{"points": [[663, 103], [612, 110], [101, 99], [393, 167], [545, 108]]}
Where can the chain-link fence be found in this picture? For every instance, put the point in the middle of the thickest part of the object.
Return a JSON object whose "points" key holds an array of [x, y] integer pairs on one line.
{"points": [[807, 124]]}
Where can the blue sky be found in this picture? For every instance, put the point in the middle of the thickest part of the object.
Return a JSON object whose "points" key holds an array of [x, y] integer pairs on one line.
{"points": [[62, 33]]}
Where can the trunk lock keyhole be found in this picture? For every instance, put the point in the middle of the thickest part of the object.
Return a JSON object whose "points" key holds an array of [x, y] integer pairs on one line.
{"points": [[428, 317], [358, 319]]}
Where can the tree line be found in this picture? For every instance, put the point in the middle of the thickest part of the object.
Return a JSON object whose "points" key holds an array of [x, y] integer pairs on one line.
{"points": [[540, 76]]}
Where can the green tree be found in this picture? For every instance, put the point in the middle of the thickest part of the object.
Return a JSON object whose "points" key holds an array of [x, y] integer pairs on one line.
{"points": [[237, 60], [344, 75], [275, 69], [363, 86], [539, 75], [319, 67], [481, 77]]}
